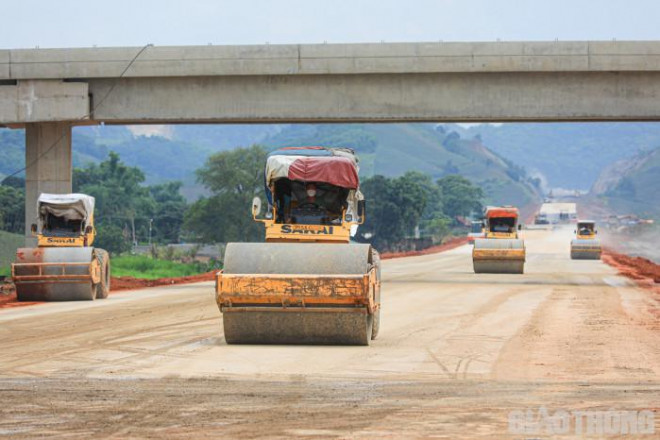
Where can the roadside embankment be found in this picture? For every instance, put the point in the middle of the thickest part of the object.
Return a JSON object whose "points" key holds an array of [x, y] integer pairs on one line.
{"points": [[644, 271], [449, 244], [130, 283]]}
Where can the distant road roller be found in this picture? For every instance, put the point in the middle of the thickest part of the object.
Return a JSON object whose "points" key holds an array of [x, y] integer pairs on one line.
{"points": [[308, 284], [64, 266], [585, 245], [476, 231], [502, 250]]}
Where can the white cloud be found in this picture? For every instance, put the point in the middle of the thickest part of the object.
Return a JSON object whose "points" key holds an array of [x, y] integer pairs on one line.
{"points": [[165, 131]]}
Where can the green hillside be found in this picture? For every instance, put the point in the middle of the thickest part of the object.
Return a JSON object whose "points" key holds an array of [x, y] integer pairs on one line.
{"points": [[225, 137], [632, 186], [388, 149], [12, 151], [160, 158], [568, 155]]}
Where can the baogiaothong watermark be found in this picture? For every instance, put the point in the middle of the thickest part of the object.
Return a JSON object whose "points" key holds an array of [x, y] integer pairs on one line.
{"points": [[543, 421]]}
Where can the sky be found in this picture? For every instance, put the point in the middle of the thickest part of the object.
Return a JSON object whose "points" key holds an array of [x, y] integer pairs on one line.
{"points": [[75, 23]]}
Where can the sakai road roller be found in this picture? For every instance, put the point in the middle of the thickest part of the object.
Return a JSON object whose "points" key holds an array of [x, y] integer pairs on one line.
{"points": [[308, 284], [585, 245], [502, 250], [64, 266]]}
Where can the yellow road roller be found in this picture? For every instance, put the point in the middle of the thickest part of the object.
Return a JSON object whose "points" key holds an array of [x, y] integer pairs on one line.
{"points": [[502, 250], [308, 283], [585, 245], [64, 266]]}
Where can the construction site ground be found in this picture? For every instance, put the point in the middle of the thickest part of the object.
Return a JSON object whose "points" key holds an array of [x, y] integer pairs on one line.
{"points": [[456, 354]]}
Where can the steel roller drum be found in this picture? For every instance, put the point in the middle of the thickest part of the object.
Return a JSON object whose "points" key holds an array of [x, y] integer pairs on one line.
{"points": [[498, 256], [585, 249], [251, 324], [291, 326], [67, 282], [297, 258]]}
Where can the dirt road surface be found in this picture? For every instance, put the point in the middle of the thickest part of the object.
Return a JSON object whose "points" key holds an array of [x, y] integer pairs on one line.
{"points": [[457, 353]]}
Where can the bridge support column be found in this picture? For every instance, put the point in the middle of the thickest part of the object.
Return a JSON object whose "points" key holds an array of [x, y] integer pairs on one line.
{"points": [[48, 161]]}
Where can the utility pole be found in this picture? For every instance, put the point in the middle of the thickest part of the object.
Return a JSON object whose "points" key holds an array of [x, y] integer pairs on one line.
{"points": [[151, 221]]}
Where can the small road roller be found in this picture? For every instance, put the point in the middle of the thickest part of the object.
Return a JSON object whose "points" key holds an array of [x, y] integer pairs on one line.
{"points": [[64, 266], [585, 245], [502, 250]]}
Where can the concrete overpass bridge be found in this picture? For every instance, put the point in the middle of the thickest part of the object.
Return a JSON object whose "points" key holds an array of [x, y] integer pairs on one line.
{"points": [[48, 91]]}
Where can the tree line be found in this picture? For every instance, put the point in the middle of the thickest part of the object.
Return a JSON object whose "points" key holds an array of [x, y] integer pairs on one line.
{"points": [[397, 208], [127, 211], [413, 205]]}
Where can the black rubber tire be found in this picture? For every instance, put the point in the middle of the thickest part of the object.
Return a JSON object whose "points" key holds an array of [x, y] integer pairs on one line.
{"points": [[103, 288], [370, 331], [375, 328], [376, 325]]}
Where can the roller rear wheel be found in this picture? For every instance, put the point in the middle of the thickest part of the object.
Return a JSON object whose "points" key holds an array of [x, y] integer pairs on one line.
{"points": [[376, 317], [103, 287]]}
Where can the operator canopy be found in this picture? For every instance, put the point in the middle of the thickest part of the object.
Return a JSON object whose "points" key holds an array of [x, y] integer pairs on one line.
{"points": [[70, 207], [504, 211], [335, 166], [586, 227]]}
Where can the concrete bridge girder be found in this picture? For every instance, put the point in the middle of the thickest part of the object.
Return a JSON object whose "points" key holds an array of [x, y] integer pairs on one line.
{"points": [[382, 98], [31, 101]]}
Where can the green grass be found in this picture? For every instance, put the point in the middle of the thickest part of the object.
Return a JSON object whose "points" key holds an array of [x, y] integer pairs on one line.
{"points": [[8, 244], [139, 266]]}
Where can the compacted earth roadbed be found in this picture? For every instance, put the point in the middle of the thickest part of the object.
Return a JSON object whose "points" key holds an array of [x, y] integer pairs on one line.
{"points": [[457, 354]]}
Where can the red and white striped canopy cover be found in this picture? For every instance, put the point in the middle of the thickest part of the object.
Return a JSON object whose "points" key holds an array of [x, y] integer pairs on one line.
{"points": [[314, 164]]}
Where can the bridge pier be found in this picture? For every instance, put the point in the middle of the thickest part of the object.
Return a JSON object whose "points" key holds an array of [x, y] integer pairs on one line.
{"points": [[49, 168]]}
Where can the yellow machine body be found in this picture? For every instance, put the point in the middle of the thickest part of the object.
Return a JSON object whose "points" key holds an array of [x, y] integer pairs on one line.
{"points": [[85, 238], [277, 232]]}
